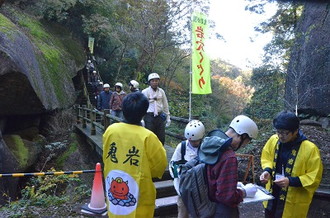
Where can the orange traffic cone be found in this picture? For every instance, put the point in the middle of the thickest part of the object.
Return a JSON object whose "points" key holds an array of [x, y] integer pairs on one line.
{"points": [[97, 206]]}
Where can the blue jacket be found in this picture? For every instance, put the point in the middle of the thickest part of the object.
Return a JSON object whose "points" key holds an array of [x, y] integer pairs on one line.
{"points": [[103, 100]]}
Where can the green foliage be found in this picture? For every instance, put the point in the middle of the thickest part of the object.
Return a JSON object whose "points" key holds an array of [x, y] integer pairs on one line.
{"points": [[282, 24], [268, 97], [56, 10], [47, 191]]}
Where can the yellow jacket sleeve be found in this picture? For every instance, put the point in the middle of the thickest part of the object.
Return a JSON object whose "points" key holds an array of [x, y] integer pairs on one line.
{"points": [[157, 156]]}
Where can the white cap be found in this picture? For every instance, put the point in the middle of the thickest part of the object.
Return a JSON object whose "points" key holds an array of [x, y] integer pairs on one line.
{"points": [[195, 130], [134, 83], [243, 124], [153, 76], [106, 85], [119, 84]]}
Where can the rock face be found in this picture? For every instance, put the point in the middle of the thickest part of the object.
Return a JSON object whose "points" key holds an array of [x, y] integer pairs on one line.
{"points": [[35, 73], [37, 66], [308, 79], [7, 164]]}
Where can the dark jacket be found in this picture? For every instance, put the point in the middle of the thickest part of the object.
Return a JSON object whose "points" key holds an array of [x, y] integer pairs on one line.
{"points": [[103, 100]]}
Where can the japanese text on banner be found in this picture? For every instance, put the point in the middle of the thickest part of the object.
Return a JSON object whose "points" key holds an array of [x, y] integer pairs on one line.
{"points": [[201, 76]]}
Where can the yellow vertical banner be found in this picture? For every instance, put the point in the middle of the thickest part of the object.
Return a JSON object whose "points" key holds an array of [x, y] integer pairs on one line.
{"points": [[91, 44], [201, 75]]}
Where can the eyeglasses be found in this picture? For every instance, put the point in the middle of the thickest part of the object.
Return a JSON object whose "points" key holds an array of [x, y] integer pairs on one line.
{"points": [[283, 132]]}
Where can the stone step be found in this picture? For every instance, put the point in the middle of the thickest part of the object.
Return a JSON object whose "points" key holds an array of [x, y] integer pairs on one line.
{"points": [[166, 206], [164, 188], [166, 176]]}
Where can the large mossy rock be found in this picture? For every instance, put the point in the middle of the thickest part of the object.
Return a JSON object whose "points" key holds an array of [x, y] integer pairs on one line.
{"points": [[37, 64], [38, 61], [308, 78], [24, 152]]}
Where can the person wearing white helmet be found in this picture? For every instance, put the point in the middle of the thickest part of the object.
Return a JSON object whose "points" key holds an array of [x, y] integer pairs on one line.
{"points": [[217, 151], [185, 151], [89, 69], [104, 98], [94, 78], [116, 100], [158, 114], [133, 86]]}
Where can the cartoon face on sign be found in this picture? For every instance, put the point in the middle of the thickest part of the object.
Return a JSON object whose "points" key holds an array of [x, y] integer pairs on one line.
{"points": [[119, 188], [122, 192]]}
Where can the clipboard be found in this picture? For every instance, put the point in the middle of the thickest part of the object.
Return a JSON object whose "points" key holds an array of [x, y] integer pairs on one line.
{"points": [[261, 195]]}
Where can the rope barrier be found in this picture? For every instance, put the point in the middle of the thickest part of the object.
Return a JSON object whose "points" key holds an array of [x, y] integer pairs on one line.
{"points": [[46, 173]]}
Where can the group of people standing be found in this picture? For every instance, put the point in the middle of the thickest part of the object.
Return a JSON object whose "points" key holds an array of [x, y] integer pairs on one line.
{"points": [[111, 100], [157, 116], [292, 166], [133, 154]]}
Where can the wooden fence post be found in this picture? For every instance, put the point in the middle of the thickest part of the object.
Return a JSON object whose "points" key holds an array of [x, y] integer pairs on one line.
{"points": [[106, 120], [77, 107], [93, 120], [84, 116]]}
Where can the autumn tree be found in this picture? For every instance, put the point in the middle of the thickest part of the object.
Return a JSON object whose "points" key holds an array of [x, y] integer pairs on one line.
{"points": [[237, 94]]}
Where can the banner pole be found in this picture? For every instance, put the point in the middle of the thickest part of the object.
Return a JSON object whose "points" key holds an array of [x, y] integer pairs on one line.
{"points": [[190, 93], [190, 72]]}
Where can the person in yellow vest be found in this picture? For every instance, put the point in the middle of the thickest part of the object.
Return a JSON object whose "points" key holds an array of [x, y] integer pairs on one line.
{"points": [[132, 156], [292, 169]]}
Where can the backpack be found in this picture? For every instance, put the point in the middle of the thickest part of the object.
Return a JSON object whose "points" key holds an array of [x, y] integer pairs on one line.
{"points": [[193, 179], [176, 166], [194, 189]]}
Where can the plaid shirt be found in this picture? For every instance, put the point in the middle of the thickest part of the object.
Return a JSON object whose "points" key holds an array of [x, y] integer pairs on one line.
{"points": [[222, 180]]}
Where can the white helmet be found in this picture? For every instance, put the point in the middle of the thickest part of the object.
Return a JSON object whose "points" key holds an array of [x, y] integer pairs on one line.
{"points": [[243, 124], [119, 84], [94, 71], [89, 61], [106, 85], [134, 84], [194, 130], [153, 76]]}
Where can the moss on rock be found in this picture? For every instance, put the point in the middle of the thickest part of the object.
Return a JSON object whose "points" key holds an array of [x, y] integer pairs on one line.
{"points": [[58, 56], [6, 26], [17, 147], [63, 157]]}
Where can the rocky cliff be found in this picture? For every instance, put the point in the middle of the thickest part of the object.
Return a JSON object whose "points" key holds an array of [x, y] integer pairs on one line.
{"points": [[308, 79], [38, 62], [36, 66]]}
